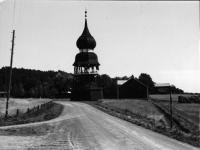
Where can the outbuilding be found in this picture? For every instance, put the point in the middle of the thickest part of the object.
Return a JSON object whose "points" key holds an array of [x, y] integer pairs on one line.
{"points": [[133, 88], [3, 94]]}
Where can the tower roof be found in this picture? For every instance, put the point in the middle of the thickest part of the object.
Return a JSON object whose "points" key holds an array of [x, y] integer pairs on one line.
{"points": [[85, 59], [86, 40]]}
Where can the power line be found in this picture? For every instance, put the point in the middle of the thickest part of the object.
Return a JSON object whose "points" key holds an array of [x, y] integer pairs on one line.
{"points": [[13, 15], [21, 18]]}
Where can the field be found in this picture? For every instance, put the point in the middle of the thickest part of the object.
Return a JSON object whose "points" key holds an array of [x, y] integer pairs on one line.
{"points": [[184, 112], [46, 111], [21, 104], [166, 97], [187, 111]]}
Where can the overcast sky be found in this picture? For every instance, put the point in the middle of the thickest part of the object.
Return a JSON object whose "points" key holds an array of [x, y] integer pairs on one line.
{"points": [[157, 38]]}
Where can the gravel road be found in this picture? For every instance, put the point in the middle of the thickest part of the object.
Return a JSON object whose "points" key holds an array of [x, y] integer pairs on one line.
{"points": [[82, 127]]}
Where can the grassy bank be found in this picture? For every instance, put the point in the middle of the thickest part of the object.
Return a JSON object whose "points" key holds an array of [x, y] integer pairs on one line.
{"points": [[21, 104], [144, 113], [53, 111], [185, 115]]}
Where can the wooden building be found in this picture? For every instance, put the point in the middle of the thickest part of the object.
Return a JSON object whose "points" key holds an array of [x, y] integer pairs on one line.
{"points": [[3, 94], [133, 88], [86, 79]]}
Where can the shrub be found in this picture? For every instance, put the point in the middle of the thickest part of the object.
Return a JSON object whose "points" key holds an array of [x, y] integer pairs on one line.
{"points": [[189, 99]]}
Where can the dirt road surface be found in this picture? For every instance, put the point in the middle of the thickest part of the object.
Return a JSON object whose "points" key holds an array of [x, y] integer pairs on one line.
{"points": [[82, 127]]}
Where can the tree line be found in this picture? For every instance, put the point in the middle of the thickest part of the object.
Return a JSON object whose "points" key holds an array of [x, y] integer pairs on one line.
{"points": [[109, 85], [33, 83], [45, 84]]}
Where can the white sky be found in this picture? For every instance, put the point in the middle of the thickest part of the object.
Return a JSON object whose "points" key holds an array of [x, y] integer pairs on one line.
{"points": [[158, 38]]}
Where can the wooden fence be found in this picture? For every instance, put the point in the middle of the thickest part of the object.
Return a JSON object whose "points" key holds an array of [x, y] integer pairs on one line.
{"points": [[33, 110]]}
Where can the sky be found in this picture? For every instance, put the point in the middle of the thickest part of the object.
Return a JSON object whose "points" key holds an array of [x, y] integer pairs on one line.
{"points": [[160, 38]]}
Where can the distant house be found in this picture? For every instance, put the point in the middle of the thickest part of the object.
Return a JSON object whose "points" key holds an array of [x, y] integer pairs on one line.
{"points": [[64, 94], [133, 88], [64, 74], [3, 94]]}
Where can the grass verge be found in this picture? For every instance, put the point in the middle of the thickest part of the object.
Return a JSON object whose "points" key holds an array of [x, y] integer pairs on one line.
{"points": [[52, 112]]}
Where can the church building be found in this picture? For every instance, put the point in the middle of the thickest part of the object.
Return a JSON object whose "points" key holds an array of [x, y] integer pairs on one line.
{"points": [[86, 78]]}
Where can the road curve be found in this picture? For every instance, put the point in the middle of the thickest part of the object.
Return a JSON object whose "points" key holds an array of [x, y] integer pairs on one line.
{"points": [[82, 127]]}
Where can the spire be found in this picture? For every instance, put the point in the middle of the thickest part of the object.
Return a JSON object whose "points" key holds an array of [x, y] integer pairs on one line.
{"points": [[85, 13], [86, 40]]}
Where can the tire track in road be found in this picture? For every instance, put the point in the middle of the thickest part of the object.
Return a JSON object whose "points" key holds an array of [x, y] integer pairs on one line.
{"points": [[59, 138], [104, 141], [120, 136]]}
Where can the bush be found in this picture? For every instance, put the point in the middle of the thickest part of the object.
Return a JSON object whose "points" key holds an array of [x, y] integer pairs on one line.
{"points": [[189, 99]]}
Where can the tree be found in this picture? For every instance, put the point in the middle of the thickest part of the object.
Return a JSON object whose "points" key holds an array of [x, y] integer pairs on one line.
{"points": [[31, 93], [30, 83], [60, 84], [46, 90], [36, 91], [40, 91], [109, 86], [176, 90], [14, 91], [147, 80], [21, 90], [53, 91], [124, 78], [105, 82]]}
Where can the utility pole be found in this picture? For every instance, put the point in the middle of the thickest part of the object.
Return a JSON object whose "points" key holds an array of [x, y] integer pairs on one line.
{"points": [[166, 87], [117, 91], [10, 75], [171, 106]]}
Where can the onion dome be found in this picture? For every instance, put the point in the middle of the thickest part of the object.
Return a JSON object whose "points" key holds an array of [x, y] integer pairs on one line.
{"points": [[85, 59], [86, 40]]}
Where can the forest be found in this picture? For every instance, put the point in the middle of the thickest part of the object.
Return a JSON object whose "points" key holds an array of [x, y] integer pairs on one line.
{"points": [[34, 83], [45, 84]]}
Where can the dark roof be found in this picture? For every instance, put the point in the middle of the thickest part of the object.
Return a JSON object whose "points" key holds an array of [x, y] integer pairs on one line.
{"points": [[3, 92], [133, 88], [140, 82], [85, 59], [132, 78], [64, 74], [86, 40], [162, 85]]}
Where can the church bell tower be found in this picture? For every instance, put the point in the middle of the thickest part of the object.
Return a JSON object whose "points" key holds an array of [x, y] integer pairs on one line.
{"points": [[86, 79]]}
